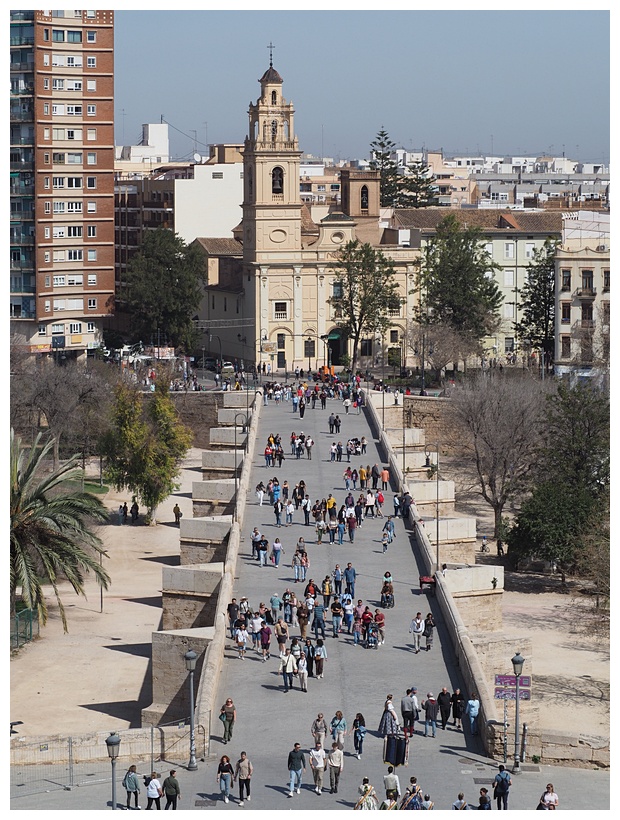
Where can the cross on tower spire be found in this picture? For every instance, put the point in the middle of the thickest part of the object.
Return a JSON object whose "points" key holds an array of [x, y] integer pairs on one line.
{"points": [[271, 48]]}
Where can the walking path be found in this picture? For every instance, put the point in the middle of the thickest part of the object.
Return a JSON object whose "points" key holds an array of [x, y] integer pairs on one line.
{"points": [[269, 721]]}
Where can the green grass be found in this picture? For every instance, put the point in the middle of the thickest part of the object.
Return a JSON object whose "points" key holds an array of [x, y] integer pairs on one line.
{"points": [[89, 487]]}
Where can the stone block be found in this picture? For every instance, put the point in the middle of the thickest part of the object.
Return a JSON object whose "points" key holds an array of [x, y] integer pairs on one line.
{"points": [[229, 416], [222, 460], [198, 579], [472, 579], [212, 529], [451, 529], [220, 492], [426, 491], [196, 553], [227, 437], [238, 399], [189, 596], [414, 437]]}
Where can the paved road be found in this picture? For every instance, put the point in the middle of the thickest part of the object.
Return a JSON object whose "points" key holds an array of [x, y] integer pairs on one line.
{"points": [[356, 679]]}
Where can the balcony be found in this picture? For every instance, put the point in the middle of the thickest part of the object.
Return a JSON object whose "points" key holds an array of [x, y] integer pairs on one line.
{"points": [[583, 326], [587, 293]]}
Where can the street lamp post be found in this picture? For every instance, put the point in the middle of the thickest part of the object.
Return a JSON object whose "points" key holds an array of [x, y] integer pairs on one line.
{"points": [[437, 507], [190, 664], [215, 336], [203, 363], [517, 665], [383, 383], [113, 743], [245, 424]]}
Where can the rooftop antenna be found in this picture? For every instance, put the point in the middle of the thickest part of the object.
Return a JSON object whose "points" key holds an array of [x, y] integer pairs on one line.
{"points": [[271, 48]]}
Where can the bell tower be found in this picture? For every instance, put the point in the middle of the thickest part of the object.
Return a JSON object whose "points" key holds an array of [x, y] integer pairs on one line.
{"points": [[271, 202]]}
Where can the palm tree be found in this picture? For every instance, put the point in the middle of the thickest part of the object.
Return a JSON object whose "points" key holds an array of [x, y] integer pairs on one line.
{"points": [[51, 528]]}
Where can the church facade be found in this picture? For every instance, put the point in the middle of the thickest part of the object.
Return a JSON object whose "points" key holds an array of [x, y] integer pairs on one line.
{"points": [[269, 303]]}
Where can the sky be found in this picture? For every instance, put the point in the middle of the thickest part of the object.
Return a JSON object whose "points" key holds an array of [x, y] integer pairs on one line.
{"points": [[465, 81]]}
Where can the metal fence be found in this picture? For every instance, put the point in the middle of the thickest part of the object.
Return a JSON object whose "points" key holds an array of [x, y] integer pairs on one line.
{"points": [[24, 627], [68, 762]]}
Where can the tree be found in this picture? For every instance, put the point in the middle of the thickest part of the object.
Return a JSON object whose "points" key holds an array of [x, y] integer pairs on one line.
{"points": [[572, 478], [164, 289], [457, 281], [145, 444], [417, 189], [365, 291], [537, 301], [381, 160], [436, 346], [51, 528], [498, 424]]}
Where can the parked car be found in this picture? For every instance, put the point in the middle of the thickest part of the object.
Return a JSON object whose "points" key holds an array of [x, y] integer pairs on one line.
{"points": [[228, 367], [210, 364]]}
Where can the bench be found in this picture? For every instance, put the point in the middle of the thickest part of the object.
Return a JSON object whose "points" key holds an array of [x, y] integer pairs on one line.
{"points": [[427, 581]]}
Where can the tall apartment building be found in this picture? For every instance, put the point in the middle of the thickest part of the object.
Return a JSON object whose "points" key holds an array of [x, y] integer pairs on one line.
{"points": [[62, 179]]}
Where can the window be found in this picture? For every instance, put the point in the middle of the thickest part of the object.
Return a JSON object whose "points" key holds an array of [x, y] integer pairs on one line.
{"points": [[566, 280], [565, 313], [74, 36], [46, 158], [46, 182], [74, 207], [58, 329], [393, 337], [75, 304], [46, 34], [277, 181], [91, 110], [529, 250], [74, 85], [509, 279], [46, 133], [91, 207], [58, 109], [74, 62], [281, 341], [91, 158], [74, 182], [565, 341], [509, 310], [47, 207], [92, 255], [58, 84], [606, 280], [91, 62], [59, 207], [58, 182], [337, 290], [217, 175], [91, 36], [489, 248], [75, 255], [46, 59], [58, 36], [59, 281], [74, 133], [74, 110], [59, 256], [91, 85], [364, 198], [91, 15], [91, 230], [90, 327], [92, 304], [92, 278], [74, 231], [366, 347], [73, 158], [586, 316], [46, 109], [280, 310], [587, 280], [75, 327], [75, 279], [59, 232], [47, 258], [48, 306], [91, 182], [509, 250], [47, 233], [91, 134], [42, 330]]}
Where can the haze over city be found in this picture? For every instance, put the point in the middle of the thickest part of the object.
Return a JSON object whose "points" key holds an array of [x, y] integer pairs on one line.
{"points": [[470, 82]]}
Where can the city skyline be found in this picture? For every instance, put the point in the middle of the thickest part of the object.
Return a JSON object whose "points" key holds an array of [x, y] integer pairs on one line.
{"points": [[473, 100]]}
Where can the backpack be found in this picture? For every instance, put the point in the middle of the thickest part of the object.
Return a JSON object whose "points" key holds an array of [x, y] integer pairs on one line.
{"points": [[147, 779], [501, 786]]}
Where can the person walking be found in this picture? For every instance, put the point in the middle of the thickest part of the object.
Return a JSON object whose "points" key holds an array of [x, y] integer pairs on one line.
{"points": [[338, 729], [335, 764], [265, 640], [417, 629], [288, 667], [326, 591], [277, 511], [317, 758], [318, 622], [368, 800], [431, 709], [224, 776], [320, 656], [318, 729], [406, 711], [359, 733], [460, 802], [260, 493], [296, 767], [337, 615], [230, 716], [243, 775], [349, 579], [302, 672], [501, 787], [242, 636], [131, 784], [172, 790], [391, 783], [471, 710], [549, 799], [388, 725], [309, 650], [281, 630], [232, 611], [385, 478], [444, 701], [303, 615], [484, 801], [153, 792], [429, 626]]}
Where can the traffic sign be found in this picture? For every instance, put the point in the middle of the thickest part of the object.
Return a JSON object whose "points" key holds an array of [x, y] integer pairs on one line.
{"points": [[511, 694], [511, 680]]}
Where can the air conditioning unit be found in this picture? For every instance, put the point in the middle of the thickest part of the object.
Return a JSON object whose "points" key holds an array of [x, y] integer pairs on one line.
{"points": [[602, 248]]}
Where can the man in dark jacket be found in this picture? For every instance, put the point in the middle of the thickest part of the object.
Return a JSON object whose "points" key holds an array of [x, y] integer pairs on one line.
{"points": [[296, 767], [431, 708], [172, 790], [444, 701]]}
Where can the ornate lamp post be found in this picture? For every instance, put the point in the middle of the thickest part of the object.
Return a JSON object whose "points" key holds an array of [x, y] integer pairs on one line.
{"points": [[190, 664], [113, 743], [517, 665]]}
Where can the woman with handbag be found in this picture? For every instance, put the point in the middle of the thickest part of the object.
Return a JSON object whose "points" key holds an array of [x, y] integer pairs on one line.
{"points": [[224, 776], [228, 716], [429, 626], [154, 792]]}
